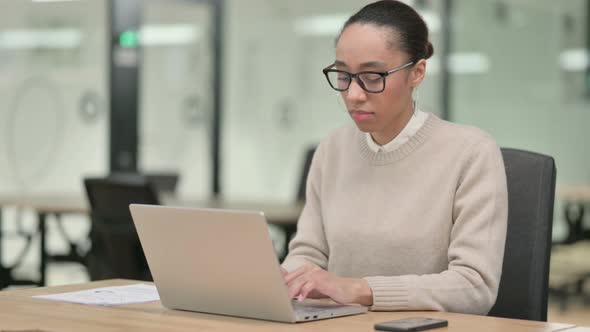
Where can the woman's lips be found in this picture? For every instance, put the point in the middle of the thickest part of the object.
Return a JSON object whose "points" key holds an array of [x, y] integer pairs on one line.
{"points": [[362, 115]]}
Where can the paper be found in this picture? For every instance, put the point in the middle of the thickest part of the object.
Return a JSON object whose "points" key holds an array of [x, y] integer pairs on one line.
{"points": [[106, 296]]}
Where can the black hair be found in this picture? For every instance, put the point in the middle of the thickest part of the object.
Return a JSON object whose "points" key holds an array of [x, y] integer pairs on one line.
{"points": [[403, 20]]}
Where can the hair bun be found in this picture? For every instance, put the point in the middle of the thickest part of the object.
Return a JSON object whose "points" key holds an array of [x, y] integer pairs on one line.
{"points": [[429, 50]]}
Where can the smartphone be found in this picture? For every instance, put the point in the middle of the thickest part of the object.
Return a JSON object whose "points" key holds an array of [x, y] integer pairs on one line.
{"points": [[411, 324]]}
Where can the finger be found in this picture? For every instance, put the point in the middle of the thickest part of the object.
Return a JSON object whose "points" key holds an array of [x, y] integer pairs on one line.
{"points": [[296, 274], [306, 289], [284, 272], [295, 285]]}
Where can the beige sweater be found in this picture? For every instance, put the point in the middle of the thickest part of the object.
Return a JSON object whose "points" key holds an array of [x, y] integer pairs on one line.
{"points": [[425, 224]]}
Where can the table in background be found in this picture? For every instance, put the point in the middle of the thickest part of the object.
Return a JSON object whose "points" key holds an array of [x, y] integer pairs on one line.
{"points": [[43, 206], [282, 215], [576, 198]]}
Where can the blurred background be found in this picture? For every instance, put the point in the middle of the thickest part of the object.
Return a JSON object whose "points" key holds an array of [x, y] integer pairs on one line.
{"points": [[227, 98]]}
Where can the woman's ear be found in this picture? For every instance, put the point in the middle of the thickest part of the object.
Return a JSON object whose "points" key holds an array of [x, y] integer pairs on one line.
{"points": [[418, 72]]}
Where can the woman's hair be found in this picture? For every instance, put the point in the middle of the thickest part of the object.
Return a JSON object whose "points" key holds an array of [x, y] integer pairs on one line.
{"points": [[402, 20]]}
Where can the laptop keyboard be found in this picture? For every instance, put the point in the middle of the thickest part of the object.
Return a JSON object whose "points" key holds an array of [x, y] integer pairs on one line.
{"points": [[303, 308]]}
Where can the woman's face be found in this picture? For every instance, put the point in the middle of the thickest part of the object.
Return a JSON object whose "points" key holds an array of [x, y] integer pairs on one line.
{"points": [[366, 47]]}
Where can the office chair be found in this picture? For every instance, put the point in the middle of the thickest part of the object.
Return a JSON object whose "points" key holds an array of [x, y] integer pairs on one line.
{"points": [[116, 251], [290, 230], [163, 182], [304, 173], [523, 287]]}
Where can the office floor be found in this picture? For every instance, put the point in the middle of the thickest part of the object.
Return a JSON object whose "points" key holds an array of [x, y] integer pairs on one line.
{"points": [[577, 312]]}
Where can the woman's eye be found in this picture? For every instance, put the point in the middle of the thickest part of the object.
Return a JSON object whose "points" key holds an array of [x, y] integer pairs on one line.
{"points": [[372, 78], [343, 78]]}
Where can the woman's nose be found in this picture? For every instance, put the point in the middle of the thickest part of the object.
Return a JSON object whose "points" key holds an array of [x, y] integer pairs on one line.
{"points": [[355, 92]]}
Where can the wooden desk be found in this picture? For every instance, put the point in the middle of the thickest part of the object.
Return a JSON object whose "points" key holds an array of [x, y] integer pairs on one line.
{"points": [[283, 215], [18, 311]]}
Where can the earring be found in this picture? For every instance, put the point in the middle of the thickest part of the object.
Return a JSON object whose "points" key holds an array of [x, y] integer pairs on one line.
{"points": [[416, 95]]}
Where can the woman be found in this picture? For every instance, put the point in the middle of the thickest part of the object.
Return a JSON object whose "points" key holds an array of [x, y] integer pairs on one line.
{"points": [[404, 211]]}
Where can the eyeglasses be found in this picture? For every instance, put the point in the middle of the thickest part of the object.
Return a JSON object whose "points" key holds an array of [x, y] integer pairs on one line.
{"points": [[370, 81]]}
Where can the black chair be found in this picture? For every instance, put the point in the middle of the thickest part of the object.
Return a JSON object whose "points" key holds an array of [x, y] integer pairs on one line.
{"points": [[304, 173], [525, 273], [290, 230], [116, 251], [162, 182]]}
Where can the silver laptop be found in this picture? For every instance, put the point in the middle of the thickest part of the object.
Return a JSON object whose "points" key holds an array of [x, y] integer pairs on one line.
{"points": [[221, 262]]}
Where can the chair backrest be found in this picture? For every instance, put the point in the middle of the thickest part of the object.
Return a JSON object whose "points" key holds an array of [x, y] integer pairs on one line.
{"points": [[162, 182], [116, 251], [304, 173], [525, 273]]}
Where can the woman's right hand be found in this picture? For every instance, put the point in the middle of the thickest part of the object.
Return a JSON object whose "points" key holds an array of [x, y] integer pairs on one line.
{"points": [[311, 281]]}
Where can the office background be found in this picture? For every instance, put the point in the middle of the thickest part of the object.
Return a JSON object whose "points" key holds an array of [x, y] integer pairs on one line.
{"points": [[230, 94]]}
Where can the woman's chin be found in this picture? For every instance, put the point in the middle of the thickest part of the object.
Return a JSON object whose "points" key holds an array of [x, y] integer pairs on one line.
{"points": [[365, 127]]}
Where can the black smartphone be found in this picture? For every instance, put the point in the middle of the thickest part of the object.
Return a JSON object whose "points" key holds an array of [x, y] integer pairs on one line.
{"points": [[411, 324]]}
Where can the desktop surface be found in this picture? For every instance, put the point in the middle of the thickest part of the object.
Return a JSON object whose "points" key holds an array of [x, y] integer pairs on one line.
{"points": [[18, 311]]}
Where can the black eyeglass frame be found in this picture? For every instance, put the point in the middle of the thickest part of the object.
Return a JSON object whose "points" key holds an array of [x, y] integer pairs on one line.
{"points": [[355, 76]]}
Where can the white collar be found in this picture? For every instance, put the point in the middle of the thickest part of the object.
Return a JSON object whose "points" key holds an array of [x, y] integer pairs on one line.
{"points": [[415, 123]]}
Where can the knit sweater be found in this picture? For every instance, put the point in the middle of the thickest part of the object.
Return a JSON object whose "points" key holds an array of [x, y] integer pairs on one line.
{"points": [[424, 224]]}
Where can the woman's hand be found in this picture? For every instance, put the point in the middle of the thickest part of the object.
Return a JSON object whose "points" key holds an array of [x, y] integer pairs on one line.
{"points": [[311, 281]]}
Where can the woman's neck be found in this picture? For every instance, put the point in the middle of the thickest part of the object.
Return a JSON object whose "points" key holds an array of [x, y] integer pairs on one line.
{"points": [[398, 125]]}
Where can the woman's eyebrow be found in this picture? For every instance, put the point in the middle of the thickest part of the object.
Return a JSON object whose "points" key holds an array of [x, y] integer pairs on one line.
{"points": [[373, 64], [369, 64], [340, 63]]}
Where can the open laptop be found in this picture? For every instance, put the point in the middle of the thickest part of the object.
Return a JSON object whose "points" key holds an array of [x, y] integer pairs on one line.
{"points": [[221, 262]]}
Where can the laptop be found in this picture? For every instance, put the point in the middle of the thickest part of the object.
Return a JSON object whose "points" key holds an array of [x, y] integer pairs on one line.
{"points": [[221, 262]]}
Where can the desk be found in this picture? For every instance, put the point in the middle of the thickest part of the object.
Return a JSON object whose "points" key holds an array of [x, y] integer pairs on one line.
{"points": [[283, 215], [18, 311], [43, 206]]}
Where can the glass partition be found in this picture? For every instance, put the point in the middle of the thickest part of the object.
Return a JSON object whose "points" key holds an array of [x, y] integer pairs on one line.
{"points": [[523, 79], [176, 92], [53, 84], [277, 103]]}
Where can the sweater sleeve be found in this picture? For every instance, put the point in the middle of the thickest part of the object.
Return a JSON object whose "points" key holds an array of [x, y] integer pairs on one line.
{"points": [[309, 243], [476, 249]]}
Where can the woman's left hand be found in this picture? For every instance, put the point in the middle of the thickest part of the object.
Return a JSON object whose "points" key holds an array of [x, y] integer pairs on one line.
{"points": [[311, 281]]}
